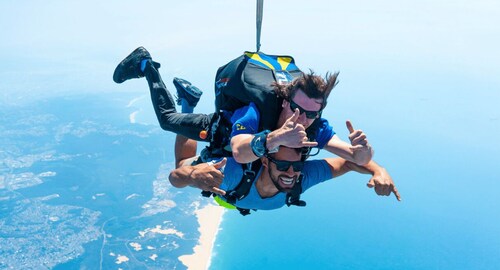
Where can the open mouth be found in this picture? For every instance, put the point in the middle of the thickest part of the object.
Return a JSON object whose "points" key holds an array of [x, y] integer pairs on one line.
{"points": [[287, 180]]}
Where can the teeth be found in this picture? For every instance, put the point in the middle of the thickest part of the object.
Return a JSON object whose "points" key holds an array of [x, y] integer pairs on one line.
{"points": [[287, 180]]}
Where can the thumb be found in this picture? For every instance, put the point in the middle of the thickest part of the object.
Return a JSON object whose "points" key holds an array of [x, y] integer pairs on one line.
{"points": [[349, 126], [220, 164], [371, 183]]}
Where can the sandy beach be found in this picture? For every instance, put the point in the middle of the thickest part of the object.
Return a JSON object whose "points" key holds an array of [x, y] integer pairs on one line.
{"points": [[209, 219]]}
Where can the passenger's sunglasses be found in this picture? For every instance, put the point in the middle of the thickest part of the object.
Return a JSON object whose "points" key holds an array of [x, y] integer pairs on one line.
{"points": [[309, 114], [283, 165]]}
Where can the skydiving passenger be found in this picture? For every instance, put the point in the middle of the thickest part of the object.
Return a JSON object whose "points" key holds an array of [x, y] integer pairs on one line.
{"points": [[282, 174], [302, 102]]}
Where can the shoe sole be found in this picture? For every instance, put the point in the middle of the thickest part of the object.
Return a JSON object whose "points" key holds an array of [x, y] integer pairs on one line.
{"points": [[187, 87], [119, 70]]}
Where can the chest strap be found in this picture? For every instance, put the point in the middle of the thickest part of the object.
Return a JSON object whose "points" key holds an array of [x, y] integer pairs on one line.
{"points": [[243, 188], [293, 197]]}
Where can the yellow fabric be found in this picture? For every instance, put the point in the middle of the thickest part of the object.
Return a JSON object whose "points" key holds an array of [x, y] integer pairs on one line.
{"points": [[257, 57], [283, 61]]}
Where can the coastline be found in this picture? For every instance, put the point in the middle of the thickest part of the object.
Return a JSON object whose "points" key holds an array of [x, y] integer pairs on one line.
{"points": [[209, 219]]}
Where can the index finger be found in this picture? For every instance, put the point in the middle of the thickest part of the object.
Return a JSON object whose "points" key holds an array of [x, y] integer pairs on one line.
{"points": [[396, 193], [349, 126], [295, 116]]}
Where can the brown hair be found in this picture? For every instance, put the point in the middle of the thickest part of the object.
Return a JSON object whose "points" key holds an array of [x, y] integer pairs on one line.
{"points": [[314, 86]]}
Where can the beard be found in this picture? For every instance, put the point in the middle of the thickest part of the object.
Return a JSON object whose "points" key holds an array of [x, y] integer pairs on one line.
{"points": [[276, 179]]}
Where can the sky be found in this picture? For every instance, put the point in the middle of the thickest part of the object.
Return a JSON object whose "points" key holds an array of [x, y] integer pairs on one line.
{"points": [[419, 77]]}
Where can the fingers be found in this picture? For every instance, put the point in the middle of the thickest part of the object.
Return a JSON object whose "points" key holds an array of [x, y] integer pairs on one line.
{"points": [[384, 186], [349, 126], [216, 175], [360, 140], [356, 136], [309, 144], [396, 193], [295, 116], [218, 191], [220, 164], [371, 183], [382, 190], [299, 129]]}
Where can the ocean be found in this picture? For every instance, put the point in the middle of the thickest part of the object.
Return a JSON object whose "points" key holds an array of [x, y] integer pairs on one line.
{"points": [[439, 146]]}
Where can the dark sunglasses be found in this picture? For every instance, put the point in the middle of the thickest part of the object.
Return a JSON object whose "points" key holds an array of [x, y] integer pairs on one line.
{"points": [[283, 165], [309, 114]]}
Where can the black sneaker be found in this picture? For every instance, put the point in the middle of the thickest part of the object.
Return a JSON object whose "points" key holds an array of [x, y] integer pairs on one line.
{"points": [[187, 91], [130, 67]]}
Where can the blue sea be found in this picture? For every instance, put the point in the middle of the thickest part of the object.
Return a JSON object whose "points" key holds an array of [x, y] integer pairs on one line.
{"points": [[436, 139]]}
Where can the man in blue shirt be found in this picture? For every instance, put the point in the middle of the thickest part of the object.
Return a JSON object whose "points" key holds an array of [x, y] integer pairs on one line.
{"points": [[279, 173]]}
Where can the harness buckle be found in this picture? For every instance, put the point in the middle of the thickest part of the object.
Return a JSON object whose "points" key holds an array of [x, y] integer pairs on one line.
{"points": [[206, 193]]}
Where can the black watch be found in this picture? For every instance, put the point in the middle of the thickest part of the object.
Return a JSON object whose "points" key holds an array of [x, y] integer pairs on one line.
{"points": [[258, 143]]}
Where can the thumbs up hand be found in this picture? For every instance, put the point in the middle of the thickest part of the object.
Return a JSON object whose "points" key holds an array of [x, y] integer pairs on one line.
{"points": [[361, 149]]}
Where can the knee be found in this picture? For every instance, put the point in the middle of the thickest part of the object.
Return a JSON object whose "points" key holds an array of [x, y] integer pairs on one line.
{"points": [[165, 126]]}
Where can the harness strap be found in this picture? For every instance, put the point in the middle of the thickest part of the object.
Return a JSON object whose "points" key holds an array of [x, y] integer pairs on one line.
{"points": [[244, 211], [206, 193], [244, 186], [220, 133], [293, 197], [242, 189]]}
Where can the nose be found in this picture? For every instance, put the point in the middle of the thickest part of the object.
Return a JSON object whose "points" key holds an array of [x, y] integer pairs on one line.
{"points": [[290, 171]]}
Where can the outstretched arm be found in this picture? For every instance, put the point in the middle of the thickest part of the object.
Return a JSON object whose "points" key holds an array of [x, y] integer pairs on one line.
{"points": [[380, 180], [204, 176]]}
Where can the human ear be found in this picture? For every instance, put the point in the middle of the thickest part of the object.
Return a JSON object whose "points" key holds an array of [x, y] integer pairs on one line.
{"points": [[284, 103], [265, 162]]}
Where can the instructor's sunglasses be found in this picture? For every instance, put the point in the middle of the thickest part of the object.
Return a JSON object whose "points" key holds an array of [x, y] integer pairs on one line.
{"points": [[309, 114], [283, 165]]}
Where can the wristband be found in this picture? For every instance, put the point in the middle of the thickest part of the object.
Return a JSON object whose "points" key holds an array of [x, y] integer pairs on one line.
{"points": [[258, 143]]}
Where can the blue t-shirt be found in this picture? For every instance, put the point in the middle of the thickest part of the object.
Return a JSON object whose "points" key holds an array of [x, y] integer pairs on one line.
{"points": [[314, 171], [245, 120]]}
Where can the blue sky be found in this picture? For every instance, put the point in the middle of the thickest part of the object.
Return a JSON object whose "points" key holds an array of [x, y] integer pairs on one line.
{"points": [[420, 77]]}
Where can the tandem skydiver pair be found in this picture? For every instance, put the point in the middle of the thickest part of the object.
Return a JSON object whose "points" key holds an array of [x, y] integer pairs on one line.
{"points": [[252, 85]]}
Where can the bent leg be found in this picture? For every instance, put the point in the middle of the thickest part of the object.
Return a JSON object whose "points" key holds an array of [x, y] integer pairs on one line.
{"points": [[185, 151], [187, 124]]}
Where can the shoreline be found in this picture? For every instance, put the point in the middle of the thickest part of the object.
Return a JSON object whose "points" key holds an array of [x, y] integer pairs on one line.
{"points": [[209, 220]]}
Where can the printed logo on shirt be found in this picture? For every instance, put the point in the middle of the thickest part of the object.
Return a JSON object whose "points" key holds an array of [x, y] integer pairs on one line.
{"points": [[240, 127]]}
